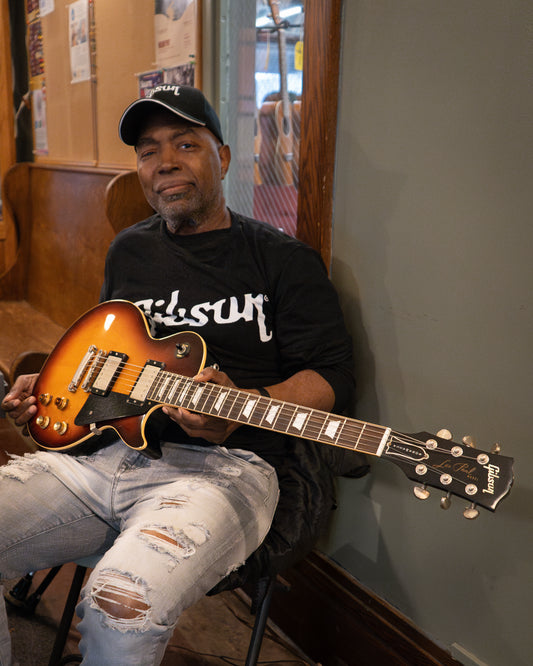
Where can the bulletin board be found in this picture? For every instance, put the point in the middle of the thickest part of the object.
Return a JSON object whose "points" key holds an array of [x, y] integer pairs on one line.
{"points": [[75, 111]]}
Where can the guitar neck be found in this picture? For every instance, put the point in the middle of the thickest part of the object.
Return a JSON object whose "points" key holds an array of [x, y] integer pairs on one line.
{"points": [[268, 413]]}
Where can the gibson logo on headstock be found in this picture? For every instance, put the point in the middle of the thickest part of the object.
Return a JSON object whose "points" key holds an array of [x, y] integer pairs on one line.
{"points": [[493, 472]]}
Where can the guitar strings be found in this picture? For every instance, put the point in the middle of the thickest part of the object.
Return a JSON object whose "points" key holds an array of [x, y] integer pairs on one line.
{"points": [[367, 437]]}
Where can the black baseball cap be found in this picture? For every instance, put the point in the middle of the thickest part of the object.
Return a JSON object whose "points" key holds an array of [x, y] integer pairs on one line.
{"points": [[186, 102]]}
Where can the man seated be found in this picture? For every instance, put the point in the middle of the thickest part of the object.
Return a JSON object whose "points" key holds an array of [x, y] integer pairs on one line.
{"points": [[169, 529]]}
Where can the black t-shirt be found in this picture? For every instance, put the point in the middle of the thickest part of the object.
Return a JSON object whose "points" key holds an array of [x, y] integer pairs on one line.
{"points": [[261, 300]]}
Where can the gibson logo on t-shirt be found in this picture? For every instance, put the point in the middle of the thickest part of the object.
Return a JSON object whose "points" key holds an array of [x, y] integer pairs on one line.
{"points": [[248, 307]]}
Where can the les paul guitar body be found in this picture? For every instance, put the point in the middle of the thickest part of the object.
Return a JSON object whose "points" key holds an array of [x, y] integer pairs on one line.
{"points": [[108, 372], [87, 382]]}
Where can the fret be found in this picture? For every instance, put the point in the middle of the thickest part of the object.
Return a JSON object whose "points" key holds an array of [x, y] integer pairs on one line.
{"points": [[184, 391], [270, 414], [283, 417], [249, 407], [188, 395], [227, 406], [168, 384], [197, 392], [209, 397], [298, 422], [176, 387], [331, 429], [160, 393], [237, 406], [259, 412], [220, 400]]}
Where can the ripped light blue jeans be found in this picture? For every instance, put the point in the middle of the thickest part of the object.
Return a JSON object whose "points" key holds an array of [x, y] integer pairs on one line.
{"points": [[168, 531]]}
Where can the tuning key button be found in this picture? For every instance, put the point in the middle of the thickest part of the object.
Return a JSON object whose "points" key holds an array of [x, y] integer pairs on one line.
{"points": [[471, 512], [444, 434], [496, 448], [469, 441], [446, 501], [421, 492], [446, 479]]}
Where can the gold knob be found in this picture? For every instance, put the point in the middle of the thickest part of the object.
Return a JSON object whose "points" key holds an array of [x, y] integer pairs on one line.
{"points": [[61, 403], [45, 398], [60, 427], [42, 421]]}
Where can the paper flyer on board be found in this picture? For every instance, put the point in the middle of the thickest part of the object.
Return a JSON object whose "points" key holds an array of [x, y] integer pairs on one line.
{"points": [[175, 32], [80, 57]]}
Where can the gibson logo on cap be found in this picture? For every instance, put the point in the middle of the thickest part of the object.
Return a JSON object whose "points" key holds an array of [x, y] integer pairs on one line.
{"points": [[167, 88]]}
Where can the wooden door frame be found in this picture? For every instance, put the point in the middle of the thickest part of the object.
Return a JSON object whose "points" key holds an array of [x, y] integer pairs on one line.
{"points": [[7, 137], [322, 45]]}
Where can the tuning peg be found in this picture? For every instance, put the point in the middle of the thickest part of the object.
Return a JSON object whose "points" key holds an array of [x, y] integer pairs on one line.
{"points": [[444, 434], [471, 512], [446, 501], [496, 448], [469, 441], [421, 492]]}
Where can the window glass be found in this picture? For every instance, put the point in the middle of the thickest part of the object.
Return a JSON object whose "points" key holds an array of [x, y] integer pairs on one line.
{"points": [[261, 62]]}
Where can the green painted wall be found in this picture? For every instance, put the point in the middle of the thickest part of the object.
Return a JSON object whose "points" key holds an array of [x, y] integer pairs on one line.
{"points": [[433, 257]]}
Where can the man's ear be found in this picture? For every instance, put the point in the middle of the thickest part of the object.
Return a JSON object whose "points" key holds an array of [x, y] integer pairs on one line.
{"points": [[225, 158]]}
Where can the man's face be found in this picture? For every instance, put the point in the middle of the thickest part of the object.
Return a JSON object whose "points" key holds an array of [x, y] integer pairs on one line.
{"points": [[181, 167]]}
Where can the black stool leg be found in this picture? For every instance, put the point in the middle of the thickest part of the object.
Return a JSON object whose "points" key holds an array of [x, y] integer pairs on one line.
{"points": [[261, 617], [18, 595], [68, 614]]}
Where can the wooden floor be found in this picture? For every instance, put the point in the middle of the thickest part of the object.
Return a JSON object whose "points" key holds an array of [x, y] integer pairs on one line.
{"points": [[215, 631]]}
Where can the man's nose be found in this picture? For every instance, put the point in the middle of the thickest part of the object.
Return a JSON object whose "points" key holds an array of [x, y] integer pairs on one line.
{"points": [[169, 157]]}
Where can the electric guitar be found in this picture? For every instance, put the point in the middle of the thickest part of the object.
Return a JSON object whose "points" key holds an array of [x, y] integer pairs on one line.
{"points": [[107, 371]]}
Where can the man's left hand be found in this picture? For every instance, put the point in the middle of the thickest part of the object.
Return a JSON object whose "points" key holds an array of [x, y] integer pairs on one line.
{"points": [[210, 428]]}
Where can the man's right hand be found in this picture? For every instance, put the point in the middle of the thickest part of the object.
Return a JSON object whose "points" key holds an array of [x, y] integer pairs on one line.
{"points": [[19, 403]]}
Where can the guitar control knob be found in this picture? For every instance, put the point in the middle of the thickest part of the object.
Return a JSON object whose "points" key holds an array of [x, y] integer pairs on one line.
{"points": [[45, 398], [471, 512], [60, 427], [421, 492], [43, 421], [61, 403]]}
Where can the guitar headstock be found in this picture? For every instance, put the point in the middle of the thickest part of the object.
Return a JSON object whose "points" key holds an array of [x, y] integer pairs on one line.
{"points": [[482, 478]]}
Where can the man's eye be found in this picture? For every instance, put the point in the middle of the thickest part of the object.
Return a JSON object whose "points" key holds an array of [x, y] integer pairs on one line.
{"points": [[146, 153]]}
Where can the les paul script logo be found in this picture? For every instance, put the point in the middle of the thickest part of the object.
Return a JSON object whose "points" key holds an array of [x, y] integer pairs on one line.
{"points": [[493, 472]]}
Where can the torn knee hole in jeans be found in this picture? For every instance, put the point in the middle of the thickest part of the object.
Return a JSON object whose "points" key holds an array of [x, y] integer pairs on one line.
{"points": [[180, 544], [21, 468], [122, 599], [169, 502]]}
